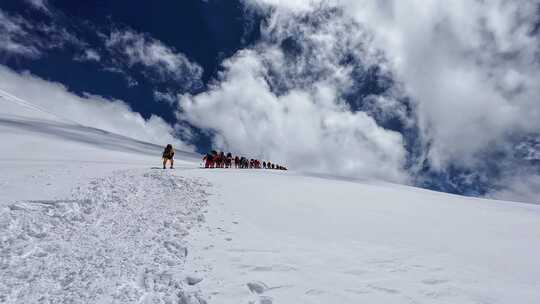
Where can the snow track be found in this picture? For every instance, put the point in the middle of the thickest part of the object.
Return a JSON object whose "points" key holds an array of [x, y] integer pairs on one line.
{"points": [[118, 239]]}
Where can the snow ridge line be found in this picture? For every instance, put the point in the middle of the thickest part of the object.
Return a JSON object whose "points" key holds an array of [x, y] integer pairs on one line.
{"points": [[118, 239]]}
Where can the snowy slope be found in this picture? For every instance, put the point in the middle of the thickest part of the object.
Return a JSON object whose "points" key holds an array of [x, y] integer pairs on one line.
{"points": [[41, 146], [319, 240], [86, 218]]}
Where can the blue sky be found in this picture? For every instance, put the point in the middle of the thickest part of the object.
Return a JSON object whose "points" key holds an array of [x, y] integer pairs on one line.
{"points": [[446, 101]]}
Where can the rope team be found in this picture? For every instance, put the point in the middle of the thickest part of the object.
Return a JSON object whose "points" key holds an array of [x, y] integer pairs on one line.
{"points": [[216, 159]]}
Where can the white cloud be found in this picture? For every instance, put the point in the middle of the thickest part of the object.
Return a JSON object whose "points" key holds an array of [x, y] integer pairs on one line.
{"points": [[296, 6], [166, 97], [281, 101], [21, 37], [164, 62], [308, 129], [90, 110], [13, 35], [472, 67], [89, 55]]}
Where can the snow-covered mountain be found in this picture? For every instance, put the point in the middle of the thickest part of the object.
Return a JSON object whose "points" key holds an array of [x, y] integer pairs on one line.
{"points": [[87, 216]]}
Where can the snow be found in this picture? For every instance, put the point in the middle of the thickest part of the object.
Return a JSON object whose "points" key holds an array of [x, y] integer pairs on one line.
{"points": [[319, 240], [105, 244], [87, 216]]}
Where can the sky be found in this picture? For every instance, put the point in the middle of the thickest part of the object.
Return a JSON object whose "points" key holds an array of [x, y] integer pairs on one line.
{"points": [[438, 95]]}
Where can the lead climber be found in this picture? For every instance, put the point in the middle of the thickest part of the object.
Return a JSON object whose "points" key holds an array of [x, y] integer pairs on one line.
{"points": [[168, 155]]}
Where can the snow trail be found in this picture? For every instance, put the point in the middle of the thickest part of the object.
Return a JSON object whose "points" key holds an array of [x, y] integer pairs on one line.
{"points": [[119, 239]]}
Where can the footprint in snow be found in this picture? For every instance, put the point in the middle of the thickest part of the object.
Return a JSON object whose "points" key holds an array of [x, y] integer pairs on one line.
{"points": [[314, 292], [193, 280], [257, 287], [176, 249]]}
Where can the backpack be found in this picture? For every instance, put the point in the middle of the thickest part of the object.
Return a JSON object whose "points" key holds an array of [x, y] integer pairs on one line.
{"points": [[168, 153]]}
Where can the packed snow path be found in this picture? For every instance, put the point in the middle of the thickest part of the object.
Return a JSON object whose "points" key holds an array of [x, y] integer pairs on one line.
{"points": [[117, 240]]}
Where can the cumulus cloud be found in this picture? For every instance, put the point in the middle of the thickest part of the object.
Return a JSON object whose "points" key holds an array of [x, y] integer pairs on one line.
{"points": [[284, 100], [471, 67], [90, 110], [160, 61], [309, 129]]}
